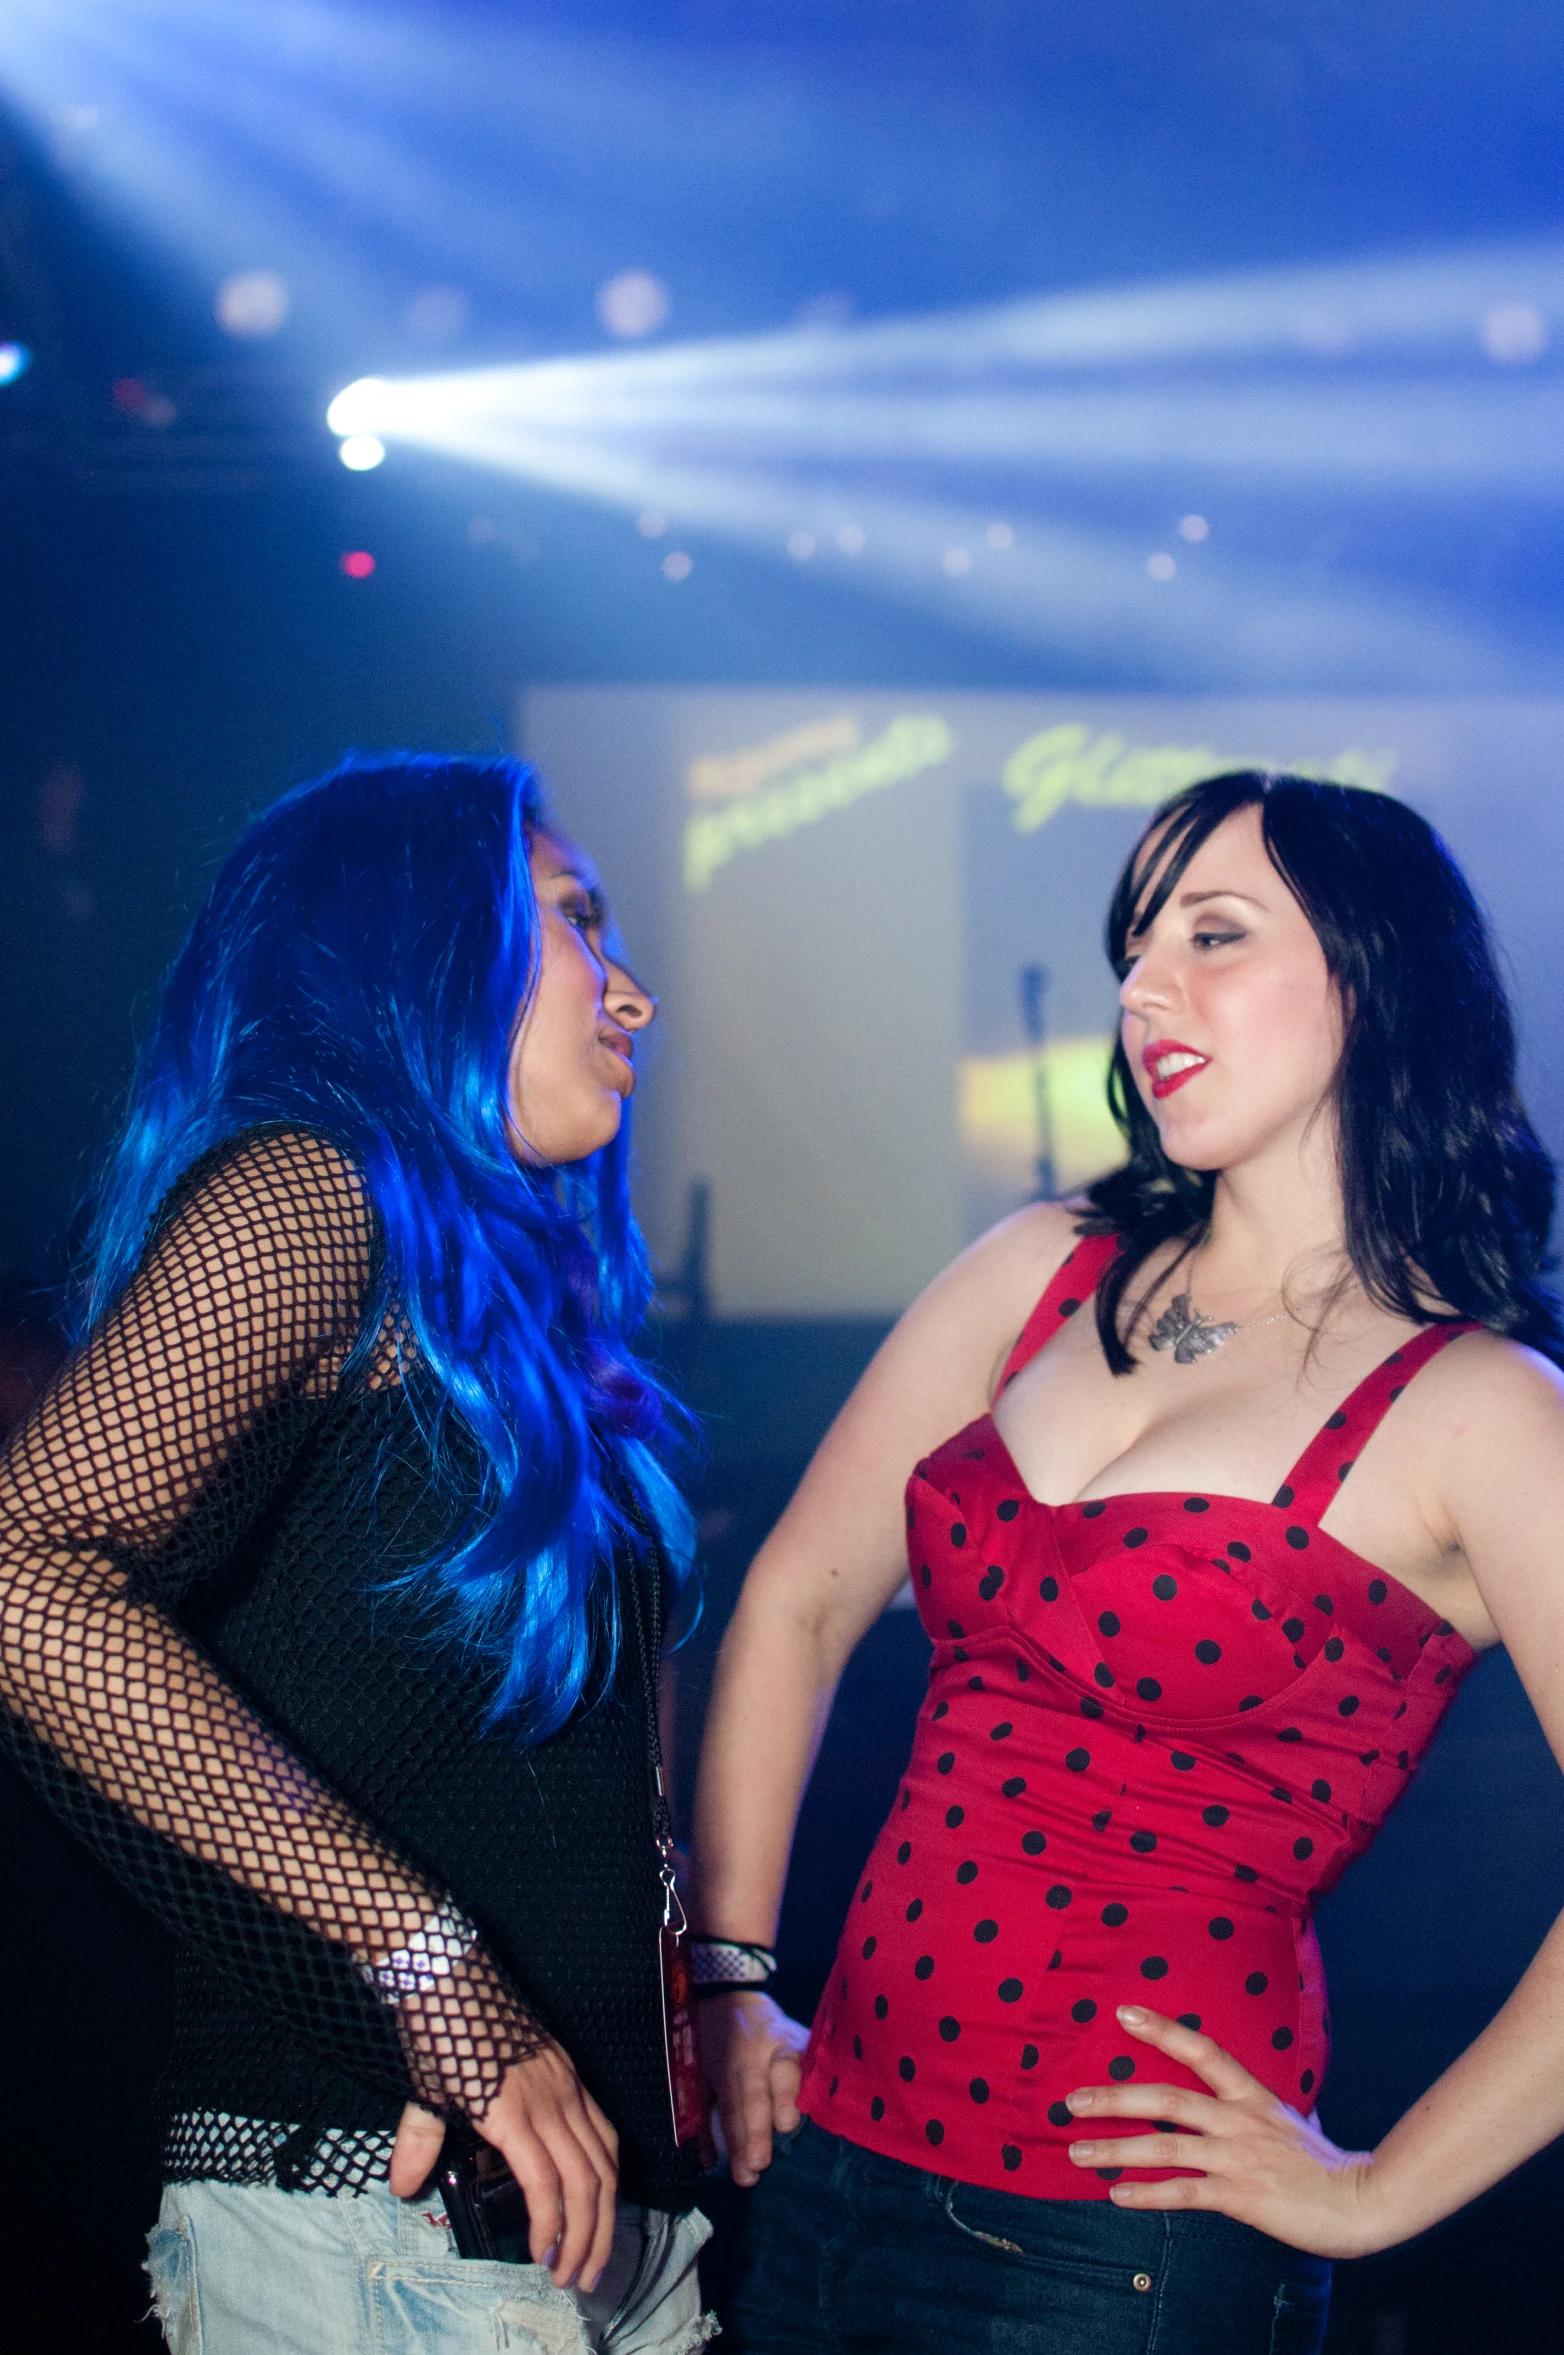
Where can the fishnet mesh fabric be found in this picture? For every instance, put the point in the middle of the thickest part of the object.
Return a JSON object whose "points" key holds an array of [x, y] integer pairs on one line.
{"points": [[162, 1442]]}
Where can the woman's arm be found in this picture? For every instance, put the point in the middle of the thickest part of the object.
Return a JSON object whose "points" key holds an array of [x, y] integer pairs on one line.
{"points": [[1494, 1491], [248, 1301], [820, 1581]]}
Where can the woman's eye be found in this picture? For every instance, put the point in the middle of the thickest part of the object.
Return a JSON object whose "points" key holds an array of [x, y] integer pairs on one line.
{"points": [[1216, 940]]}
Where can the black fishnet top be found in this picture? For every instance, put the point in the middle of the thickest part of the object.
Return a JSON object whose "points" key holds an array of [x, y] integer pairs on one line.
{"points": [[205, 1673]]}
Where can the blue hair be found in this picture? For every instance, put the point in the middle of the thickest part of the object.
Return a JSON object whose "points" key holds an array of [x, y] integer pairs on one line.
{"points": [[357, 968]]}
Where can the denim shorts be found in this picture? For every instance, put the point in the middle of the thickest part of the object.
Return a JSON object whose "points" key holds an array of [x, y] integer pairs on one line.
{"points": [[848, 2253], [244, 2269]]}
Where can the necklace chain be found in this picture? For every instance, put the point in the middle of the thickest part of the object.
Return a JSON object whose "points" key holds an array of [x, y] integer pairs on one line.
{"points": [[1191, 1335]]}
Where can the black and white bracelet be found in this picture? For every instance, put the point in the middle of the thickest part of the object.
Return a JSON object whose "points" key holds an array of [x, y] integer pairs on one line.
{"points": [[721, 1965], [436, 1950]]}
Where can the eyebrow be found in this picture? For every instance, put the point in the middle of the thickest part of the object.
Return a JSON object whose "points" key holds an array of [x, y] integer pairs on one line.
{"points": [[593, 889], [1198, 899]]}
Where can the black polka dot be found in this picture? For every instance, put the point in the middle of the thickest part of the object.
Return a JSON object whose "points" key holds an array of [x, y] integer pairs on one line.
{"points": [[1067, 1308], [923, 1968], [1377, 1590], [1023, 1672], [1277, 1792], [1164, 1587], [979, 2089], [1252, 1701], [1102, 1674], [1010, 1991], [986, 1932], [945, 1761], [1180, 1760], [1030, 2056], [1290, 1733], [966, 1872], [958, 1533], [1049, 1590], [1148, 1688], [1348, 1705], [1280, 2039], [954, 1818], [1058, 1897], [949, 2029], [1256, 1983], [1083, 2011], [1002, 1731], [1010, 2156], [1215, 1816], [877, 2109], [1013, 1785], [1306, 2081], [857, 2048], [1120, 2067], [935, 2131], [1007, 1508], [904, 1852], [1336, 1422], [869, 1946], [906, 1798], [1334, 1647], [881, 2006], [1033, 1843], [906, 2068], [1113, 1915], [1297, 1538], [1283, 1496], [1324, 1603], [991, 1581], [1154, 1967], [1133, 1537], [1099, 1504], [1292, 1629], [1259, 1609], [1197, 1504], [1060, 2114], [1102, 1819], [1220, 1926], [1245, 1872], [1107, 1622], [1239, 1551], [1108, 2174], [1343, 1469], [1320, 1791], [1189, 2020], [1303, 1849], [1207, 1652], [941, 1709], [1078, 1760], [1143, 1842], [925, 1575]]}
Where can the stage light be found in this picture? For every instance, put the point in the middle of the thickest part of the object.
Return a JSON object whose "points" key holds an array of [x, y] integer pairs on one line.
{"points": [[677, 566], [957, 562], [1513, 333], [357, 563], [1162, 566], [801, 546], [361, 451], [360, 406], [633, 304], [999, 535], [253, 303], [1193, 528], [651, 524], [15, 360]]}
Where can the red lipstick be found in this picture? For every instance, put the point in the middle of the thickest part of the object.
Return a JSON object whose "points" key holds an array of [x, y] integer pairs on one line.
{"points": [[1164, 1083]]}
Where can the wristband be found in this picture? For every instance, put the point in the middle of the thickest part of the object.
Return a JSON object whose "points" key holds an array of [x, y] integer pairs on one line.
{"points": [[721, 1964], [437, 1948]]}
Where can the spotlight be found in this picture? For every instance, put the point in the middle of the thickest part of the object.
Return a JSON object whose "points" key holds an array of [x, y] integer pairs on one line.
{"points": [[651, 523], [1193, 528], [677, 566], [359, 407], [15, 360], [801, 546], [253, 302], [1513, 333], [360, 451], [635, 303], [957, 561], [357, 563], [1162, 566], [1000, 535]]}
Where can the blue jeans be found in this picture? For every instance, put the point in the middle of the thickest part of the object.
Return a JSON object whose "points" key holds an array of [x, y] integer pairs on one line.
{"points": [[849, 2253], [244, 2269]]}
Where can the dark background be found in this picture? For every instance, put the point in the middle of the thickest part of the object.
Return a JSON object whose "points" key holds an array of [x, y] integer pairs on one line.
{"points": [[177, 644]]}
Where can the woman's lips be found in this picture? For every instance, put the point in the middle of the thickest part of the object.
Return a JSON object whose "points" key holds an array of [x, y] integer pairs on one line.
{"points": [[1169, 1063]]}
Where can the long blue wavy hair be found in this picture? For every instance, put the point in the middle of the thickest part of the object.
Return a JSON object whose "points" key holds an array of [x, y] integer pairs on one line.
{"points": [[357, 967]]}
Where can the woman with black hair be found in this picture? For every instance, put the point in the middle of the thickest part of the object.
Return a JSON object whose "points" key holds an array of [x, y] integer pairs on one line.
{"points": [[333, 1570], [1202, 1569]]}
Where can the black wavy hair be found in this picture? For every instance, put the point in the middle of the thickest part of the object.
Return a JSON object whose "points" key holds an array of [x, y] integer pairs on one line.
{"points": [[1447, 1191]]}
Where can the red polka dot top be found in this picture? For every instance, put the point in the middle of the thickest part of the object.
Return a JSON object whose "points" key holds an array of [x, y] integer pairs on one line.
{"points": [[1157, 1728]]}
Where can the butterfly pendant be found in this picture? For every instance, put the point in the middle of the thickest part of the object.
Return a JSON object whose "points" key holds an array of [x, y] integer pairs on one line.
{"points": [[1187, 1333]]}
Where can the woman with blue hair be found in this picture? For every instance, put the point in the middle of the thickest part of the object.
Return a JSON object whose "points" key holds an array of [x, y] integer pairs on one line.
{"points": [[333, 1582]]}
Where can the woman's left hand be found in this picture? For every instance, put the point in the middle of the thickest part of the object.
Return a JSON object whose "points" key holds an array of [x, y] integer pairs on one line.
{"points": [[1260, 2161]]}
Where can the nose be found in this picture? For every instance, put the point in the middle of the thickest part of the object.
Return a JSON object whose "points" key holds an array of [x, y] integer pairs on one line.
{"points": [[625, 1000], [1150, 985]]}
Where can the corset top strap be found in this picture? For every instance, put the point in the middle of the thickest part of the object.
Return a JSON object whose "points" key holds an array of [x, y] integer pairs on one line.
{"points": [[1076, 1280], [1331, 1453]]}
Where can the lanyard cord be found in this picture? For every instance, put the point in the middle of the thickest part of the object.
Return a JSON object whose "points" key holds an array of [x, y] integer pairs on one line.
{"points": [[648, 1645]]}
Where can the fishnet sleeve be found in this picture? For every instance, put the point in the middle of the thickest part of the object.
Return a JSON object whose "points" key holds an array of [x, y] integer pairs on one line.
{"points": [[247, 1303]]}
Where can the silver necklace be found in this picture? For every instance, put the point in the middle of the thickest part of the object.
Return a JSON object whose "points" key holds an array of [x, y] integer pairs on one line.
{"points": [[1191, 1336]]}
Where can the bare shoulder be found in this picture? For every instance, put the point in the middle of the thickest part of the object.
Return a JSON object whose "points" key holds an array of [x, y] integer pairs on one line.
{"points": [[1489, 1392]]}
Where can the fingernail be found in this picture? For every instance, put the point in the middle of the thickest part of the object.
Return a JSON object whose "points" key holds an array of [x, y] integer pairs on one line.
{"points": [[1078, 2101], [1083, 2150], [1131, 2014]]}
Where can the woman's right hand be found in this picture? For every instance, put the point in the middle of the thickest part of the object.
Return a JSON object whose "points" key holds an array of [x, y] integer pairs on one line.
{"points": [[752, 2059], [558, 2145]]}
